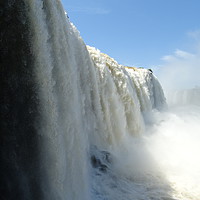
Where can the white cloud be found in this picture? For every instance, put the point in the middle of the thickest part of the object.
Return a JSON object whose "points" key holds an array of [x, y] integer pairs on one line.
{"points": [[167, 58], [183, 54], [181, 69], [194, 35], [178, 54]]}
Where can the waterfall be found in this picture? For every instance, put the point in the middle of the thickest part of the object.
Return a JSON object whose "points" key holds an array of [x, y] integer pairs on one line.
{"points": [[68, 110], [184, 97]]}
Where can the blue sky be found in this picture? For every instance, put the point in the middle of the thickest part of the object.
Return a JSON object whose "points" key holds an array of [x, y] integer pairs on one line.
{"points": [[137, 32]]}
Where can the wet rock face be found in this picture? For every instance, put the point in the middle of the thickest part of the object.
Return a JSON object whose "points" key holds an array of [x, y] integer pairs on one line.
{"points": [[19, 110], [96, 163], [101, 160]]}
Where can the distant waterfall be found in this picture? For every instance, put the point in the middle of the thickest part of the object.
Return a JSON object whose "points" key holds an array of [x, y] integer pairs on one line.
{"points": [[184, 97], [124, 94], [83, 102]]}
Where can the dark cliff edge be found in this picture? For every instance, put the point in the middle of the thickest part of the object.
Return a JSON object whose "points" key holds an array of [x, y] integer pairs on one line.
{"points": [[20, 171]]}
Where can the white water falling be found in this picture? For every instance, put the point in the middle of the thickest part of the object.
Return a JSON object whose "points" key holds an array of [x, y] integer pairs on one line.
{"points": [[184, 97], [97, 116], [63, 67]]}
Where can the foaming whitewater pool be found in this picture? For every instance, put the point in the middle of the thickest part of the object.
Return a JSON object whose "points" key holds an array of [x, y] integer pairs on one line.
{"points": [[163, 164], [174, 143]]}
